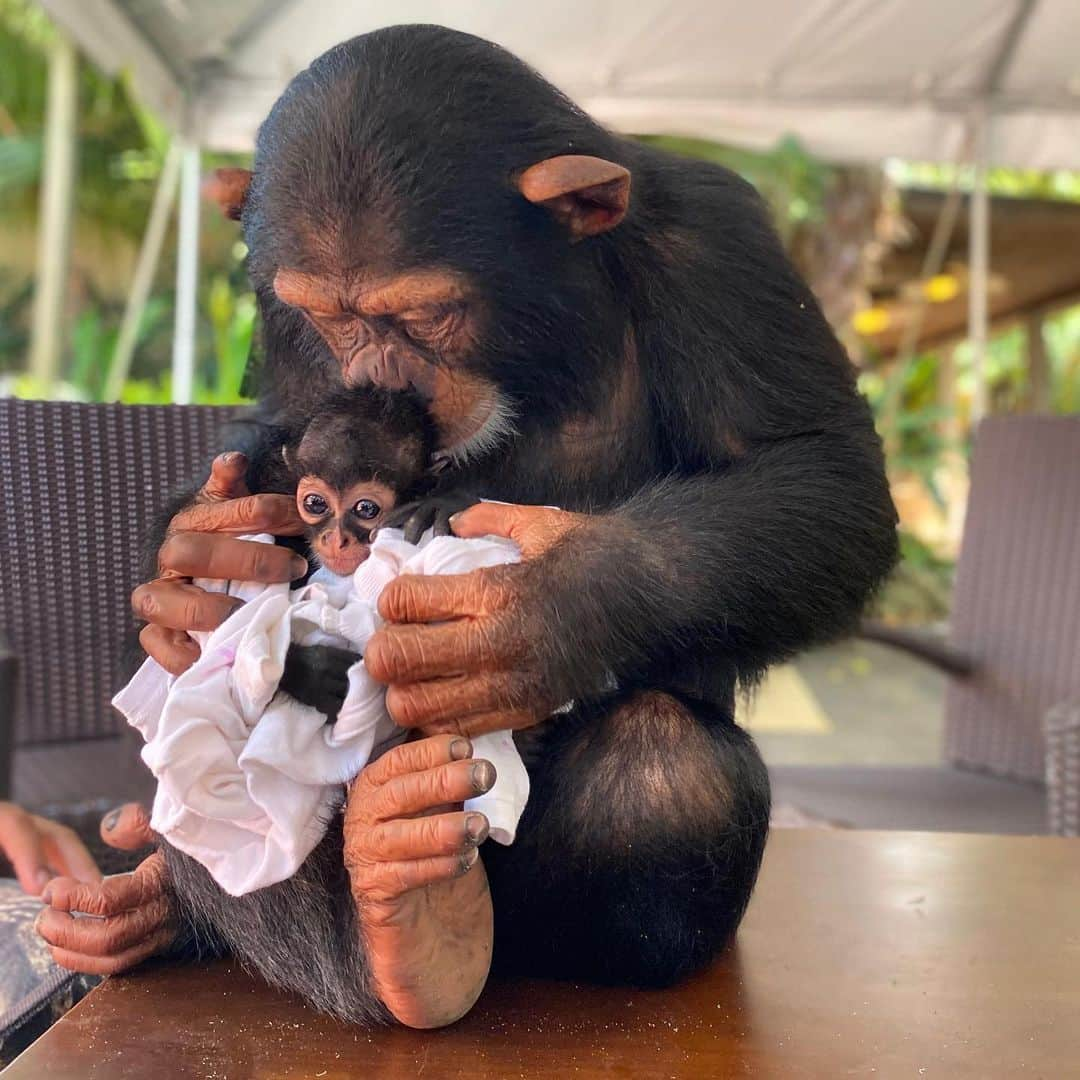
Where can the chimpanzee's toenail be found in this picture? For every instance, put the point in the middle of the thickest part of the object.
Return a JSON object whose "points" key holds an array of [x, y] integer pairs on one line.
{"points": [[476, 828], [483, 776]]}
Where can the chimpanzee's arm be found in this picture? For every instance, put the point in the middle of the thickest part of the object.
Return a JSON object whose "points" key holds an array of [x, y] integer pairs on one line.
{"points": [[774, 553]]}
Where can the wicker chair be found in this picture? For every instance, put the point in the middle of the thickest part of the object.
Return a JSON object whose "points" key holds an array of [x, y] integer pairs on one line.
{"points": [[82, 485], [1013, 656]]}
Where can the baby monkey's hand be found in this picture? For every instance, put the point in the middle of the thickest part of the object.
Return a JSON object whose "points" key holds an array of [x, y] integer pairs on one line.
{"points": [[318, 675], [432, 512]]}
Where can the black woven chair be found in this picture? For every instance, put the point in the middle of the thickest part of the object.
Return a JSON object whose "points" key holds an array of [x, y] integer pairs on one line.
{"points": [[82, 485], [1012, 709]]}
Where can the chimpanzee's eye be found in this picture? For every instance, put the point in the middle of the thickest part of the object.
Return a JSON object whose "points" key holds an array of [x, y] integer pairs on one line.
{"points": [[315, 505], [367, 509], [433, 325]]}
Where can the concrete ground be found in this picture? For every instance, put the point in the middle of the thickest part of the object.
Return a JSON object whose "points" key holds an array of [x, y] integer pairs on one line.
{"points": [[852, 735], [855, 703]]}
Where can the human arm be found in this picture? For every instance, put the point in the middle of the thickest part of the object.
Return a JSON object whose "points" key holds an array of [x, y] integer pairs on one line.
{"points": [[39, 849]]}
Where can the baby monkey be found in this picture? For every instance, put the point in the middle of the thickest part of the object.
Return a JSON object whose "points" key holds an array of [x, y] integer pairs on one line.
{"points": [[363, 461]]}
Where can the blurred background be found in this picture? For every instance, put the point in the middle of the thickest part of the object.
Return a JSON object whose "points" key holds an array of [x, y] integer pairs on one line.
{"points": [[920, 160]]}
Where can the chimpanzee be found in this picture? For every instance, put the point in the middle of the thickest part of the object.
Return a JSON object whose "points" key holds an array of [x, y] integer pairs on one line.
{"points": [[596, 325]]}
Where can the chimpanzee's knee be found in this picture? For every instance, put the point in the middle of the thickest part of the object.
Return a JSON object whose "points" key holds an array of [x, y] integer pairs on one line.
{"points": [[640, 845]]}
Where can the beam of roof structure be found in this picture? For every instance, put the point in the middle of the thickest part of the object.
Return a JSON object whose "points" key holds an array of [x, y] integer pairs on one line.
{"points": [[852, 80]]}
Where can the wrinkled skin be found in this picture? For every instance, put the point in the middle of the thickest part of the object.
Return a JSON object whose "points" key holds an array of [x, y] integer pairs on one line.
{"points": [[134, 919], [418, 882]]}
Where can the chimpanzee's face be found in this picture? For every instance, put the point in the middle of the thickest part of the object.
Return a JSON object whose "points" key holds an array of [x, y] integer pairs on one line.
{"points": [[412, 330]]}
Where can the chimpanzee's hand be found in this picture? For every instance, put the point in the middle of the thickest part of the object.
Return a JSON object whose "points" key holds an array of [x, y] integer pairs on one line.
{"points": [[486, 664], [318, 675], [134, 916], [434, 512], [201, 543]]}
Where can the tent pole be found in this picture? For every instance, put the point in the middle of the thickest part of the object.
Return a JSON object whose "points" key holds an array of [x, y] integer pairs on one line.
{"points": [[979, 262], [187, 274], [143, 278], [54, 215]]}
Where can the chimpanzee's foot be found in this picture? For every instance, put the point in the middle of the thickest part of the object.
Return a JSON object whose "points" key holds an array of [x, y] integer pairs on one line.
{"points": [[420, 889]]}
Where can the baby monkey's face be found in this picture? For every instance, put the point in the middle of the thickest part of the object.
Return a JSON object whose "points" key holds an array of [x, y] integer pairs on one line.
{"points": [[340, 523]]}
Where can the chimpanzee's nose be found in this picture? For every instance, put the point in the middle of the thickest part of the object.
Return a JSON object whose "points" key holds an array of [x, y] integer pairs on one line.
{"points": [[382, 365]]}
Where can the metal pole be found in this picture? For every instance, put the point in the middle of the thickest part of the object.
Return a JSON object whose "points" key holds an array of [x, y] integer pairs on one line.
{"points": [[979, 262], [54, 216], [187, 274], [143, 277]]}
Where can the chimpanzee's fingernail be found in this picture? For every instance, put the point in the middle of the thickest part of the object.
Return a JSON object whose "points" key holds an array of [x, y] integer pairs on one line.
{"points": [[476, 828], [299, 566], [483, 776], [110, 820], [460, 749], [46, 896]]}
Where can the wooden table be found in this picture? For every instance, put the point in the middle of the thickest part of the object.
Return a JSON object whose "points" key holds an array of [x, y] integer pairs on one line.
{"points": [[863, 954]]}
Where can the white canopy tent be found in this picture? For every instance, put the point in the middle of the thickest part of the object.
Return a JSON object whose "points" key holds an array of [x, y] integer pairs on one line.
{"points": [[989, 81]]}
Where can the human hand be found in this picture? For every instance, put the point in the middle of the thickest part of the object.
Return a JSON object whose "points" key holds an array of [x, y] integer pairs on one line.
{"points": [[39, 849], [134, 918], [201, 542], [471, 653]]}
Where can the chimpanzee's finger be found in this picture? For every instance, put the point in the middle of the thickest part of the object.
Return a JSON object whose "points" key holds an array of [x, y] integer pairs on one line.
{"points": [[122, 892], [228, 477], [276, 514], [419, 704], [484, 723], [89, 964], [179, 605], [534, 529], [425, 837], [67, 853], [441, 786], [405, 654], [127, 828], [209, 555], [103, 937], [383, 881], [172, 649], [422, 598], [410, 757], [21, 841]]}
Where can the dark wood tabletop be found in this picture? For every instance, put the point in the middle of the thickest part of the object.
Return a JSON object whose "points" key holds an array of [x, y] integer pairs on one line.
{"points": [[863, 954]]}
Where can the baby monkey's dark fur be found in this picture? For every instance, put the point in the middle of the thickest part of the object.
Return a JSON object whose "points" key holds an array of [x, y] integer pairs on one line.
{"points": [[363, 436]]}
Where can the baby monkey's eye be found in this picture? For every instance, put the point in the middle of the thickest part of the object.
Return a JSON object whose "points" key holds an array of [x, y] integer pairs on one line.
{"points": [[315, 505], [366, 509]]}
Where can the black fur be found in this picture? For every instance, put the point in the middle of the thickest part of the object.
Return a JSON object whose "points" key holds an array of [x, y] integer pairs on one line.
{"points": [[743, 508]]}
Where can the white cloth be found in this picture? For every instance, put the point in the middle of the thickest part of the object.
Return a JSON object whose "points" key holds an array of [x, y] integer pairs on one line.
{"points": [[248, 781]]}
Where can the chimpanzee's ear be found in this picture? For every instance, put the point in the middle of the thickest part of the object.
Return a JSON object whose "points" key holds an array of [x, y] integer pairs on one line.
{"points": [[228, 188], [587, 194]]}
